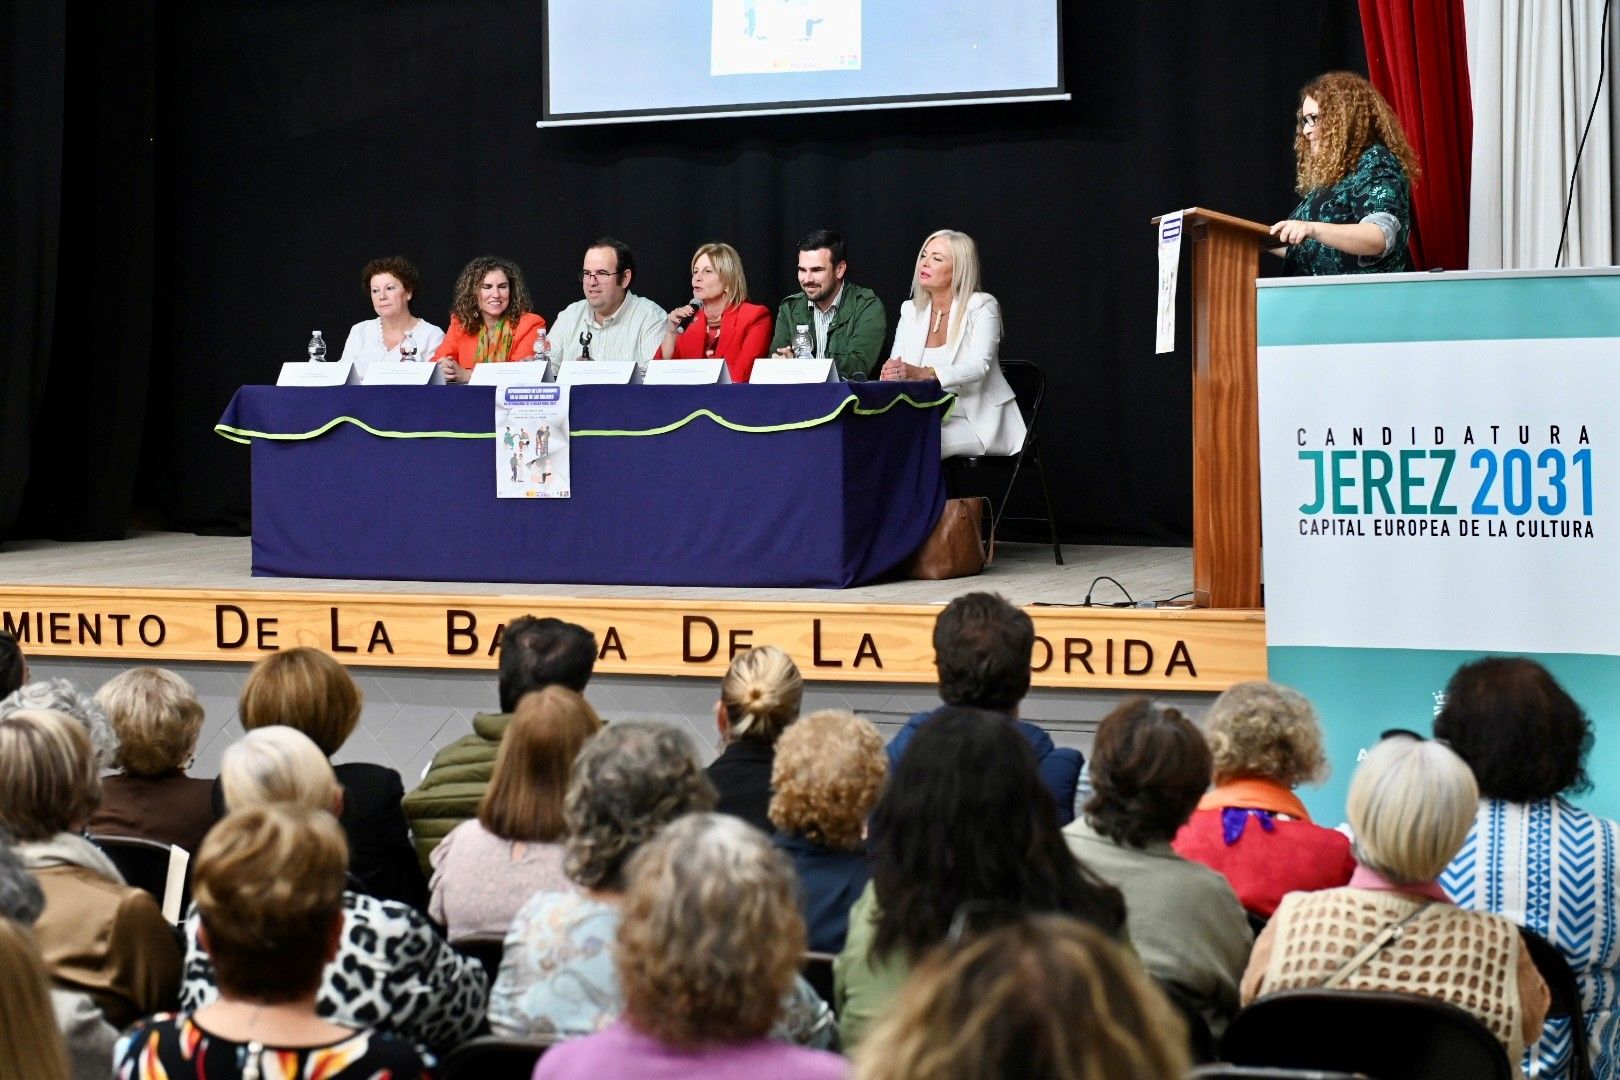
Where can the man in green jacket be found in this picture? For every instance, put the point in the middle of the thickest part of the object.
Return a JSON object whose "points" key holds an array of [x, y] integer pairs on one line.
{"points": [[846, 322], [535, 653]]}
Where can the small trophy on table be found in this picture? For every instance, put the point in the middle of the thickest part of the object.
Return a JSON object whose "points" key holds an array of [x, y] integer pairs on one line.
{"points": [[585, 346]]}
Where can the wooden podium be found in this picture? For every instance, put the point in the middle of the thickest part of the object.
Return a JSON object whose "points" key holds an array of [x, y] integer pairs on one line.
{"points": [[1225, 404]]}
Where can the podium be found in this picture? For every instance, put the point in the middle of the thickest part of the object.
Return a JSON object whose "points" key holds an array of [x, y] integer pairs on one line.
{"points": [[1225, 405]]}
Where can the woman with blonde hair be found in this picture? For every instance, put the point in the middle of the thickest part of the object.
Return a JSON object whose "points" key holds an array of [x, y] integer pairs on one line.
{"points": [[1354, 169], [719, 322], [30, 1044], [950, 332], [1044, 997], [487, 868], [707, 950], [157, 718], [1251, 828], [1411, 805], [306, 689], [492, 319], [759, 697]]}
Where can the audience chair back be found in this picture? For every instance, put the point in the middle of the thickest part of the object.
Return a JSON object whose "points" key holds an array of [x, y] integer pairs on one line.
{"points": [[494, 1057], [1566, 999], [484, 948], [163, 870], [1028, 383], [818, 972], [1384, 1035]]}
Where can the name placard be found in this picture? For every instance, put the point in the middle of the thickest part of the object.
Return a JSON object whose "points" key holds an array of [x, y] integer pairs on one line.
{"points": [[687, 372], [781, 370], [517, 373], [402, 373], [308, 373], [597, 372]]}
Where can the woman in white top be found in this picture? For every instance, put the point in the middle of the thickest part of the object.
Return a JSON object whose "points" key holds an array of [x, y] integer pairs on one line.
{"points": [[951, 332], [390, 283]]}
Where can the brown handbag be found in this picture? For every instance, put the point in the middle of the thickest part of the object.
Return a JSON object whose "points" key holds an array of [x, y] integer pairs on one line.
{"points": [[957, 546]]}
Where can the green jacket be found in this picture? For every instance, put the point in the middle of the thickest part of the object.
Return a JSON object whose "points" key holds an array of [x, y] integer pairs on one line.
{"points": [[855, 338], [450, 792]]}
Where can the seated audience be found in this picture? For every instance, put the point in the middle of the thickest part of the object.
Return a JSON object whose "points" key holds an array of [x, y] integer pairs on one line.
{"points": [[982, 649], [1251, 828], [707, 949], [1149, 765], [759, 699], [390, 283], [30, 1044], [492, 319], [98, 935], [556, 977], [77, 1019], [1411, 804], [951, 332], [1044, 997], [829, 770], [61, 696], [157, 718], [488, 867], [722, 323], [535, 654], [391, 971], [13, 665], [1532, 856], [270, 898], [305, 689], [964, 829]]}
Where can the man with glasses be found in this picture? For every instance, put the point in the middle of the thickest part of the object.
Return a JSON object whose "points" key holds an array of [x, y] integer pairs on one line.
{"points": [[611, 322], [846, 321]]}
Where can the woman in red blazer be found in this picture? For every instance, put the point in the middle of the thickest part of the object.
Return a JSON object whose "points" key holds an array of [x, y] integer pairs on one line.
{"points": [[724, 324], [492, 319]]}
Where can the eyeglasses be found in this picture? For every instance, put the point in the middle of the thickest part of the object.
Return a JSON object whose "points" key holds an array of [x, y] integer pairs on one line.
{"points": [[1309, 119], [599, 275]]}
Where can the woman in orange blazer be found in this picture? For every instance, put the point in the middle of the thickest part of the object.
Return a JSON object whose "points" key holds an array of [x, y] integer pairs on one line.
{"points": [[721, 321], [492, 319]]}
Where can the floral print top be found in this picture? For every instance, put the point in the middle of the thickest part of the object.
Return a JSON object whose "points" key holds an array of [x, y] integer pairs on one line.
{"points": [[1376, 190]]}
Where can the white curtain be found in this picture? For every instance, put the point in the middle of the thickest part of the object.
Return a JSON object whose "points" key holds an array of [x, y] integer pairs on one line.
{"points": [[1533, 65]]}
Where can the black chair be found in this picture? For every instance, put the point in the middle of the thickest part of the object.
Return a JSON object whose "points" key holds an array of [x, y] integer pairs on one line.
{"points": [[1028, 384], [1566, 999], [1255, 1072], [493, 1057], [484, 948], [1384, 1035], [817, 970], [160, 869]]}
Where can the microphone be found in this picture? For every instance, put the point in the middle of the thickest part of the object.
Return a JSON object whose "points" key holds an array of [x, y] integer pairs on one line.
{"points": [[686, 320]]}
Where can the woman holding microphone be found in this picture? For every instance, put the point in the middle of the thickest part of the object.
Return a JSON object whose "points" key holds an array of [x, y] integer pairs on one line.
{"points": [[720, 322]]}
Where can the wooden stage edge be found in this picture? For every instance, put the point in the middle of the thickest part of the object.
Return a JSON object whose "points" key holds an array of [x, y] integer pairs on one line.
{"points": [[1180, 649]]}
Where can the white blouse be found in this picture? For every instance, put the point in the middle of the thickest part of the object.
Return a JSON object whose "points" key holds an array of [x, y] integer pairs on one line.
{"points": [[365, 343]]}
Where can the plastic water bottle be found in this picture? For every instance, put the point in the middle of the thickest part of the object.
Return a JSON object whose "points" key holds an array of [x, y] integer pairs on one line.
{"points": [[407, 348], [803, 349], [317, 348], [542, 347]]}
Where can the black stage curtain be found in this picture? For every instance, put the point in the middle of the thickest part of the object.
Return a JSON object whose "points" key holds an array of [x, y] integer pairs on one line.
{"points": [[299, 140]]}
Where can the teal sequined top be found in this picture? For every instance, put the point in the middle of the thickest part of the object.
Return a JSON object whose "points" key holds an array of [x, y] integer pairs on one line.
{"points": [[1376, 188]]}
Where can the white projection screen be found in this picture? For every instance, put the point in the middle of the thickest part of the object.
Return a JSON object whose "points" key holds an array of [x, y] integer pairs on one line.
{"points": [[614, 61]]}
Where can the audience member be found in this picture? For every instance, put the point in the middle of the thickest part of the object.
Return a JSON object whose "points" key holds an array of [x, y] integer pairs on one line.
{"points": [[759, 699], [829, 770], [982, 650], [707, 949], [1045, 997], [535, 653], [611, 322], [845, 321], [392, 971], [269, 893], [305, 689], [1149, 765], [1532, 856], [720, 322], [88, 1036], [98, 935], [488, 867], [557, 978], [13, 665], [30, 1044], [61, 696], [492, 319], [157, 718], [1252, 829], [389, 284], [964, 831], [1411, 805]]}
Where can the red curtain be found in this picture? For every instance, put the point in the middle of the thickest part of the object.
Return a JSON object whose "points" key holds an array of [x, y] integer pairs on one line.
{"points": [[1417, 57]]}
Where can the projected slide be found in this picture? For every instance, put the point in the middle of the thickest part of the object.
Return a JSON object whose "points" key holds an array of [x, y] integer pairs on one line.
{"points": [[750, 37], [616, 60]]}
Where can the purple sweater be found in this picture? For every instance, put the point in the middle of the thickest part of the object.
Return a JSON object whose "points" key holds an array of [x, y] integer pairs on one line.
{"points": [[620, 1050]]}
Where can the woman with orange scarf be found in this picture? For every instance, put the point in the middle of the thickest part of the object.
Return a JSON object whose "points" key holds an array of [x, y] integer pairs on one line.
{"points": [[492, 319]]}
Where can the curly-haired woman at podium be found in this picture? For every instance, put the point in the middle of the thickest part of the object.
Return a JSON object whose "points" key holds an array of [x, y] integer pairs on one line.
{"points": [[492, 319], [1354, 169]]}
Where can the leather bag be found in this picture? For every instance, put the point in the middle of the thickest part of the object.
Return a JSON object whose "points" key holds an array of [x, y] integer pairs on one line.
{"points": [[957, 547]]}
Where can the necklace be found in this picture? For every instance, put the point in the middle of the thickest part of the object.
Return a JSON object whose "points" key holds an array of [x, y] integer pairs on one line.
{"points": [[711, 321], [939, 317]]}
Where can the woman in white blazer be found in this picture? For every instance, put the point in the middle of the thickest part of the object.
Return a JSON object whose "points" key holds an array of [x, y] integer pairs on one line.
{"points": [[951, 332]]}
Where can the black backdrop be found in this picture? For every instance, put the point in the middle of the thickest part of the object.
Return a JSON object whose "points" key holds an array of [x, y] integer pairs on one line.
{"points": [[225, 168]]}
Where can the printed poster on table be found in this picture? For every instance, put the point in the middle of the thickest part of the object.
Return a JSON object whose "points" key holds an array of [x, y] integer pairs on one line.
{"points": [[531, 442]]}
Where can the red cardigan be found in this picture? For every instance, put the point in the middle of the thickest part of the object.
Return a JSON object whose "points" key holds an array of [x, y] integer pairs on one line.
{"points": [[745, 336], [463, 346]]}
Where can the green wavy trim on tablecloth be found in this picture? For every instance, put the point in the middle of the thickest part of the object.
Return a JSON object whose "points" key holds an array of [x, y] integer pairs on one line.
{"points": [[245, 435]]}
